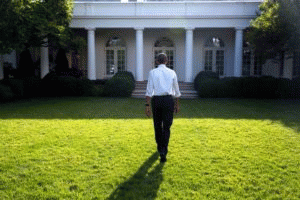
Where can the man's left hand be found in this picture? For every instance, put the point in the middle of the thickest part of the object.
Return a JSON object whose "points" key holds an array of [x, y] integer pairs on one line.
{"points": [[176, 109]]}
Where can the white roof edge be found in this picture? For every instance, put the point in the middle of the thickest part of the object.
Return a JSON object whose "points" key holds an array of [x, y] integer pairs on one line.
{"points": [[169, 2], [166, 17]]}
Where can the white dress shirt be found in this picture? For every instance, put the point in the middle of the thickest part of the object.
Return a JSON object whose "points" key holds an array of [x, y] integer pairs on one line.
{"points": [[162, 81]]}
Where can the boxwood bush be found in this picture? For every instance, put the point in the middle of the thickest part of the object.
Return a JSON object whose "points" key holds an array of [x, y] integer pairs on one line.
{"points": [[202, 76], [32, 86], [55, 85], [265, 87], [121, 84], [16, 86], [6, 93]]}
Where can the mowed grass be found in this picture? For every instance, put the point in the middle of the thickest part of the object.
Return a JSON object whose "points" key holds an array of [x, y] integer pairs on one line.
{"points": [[104, 148]]}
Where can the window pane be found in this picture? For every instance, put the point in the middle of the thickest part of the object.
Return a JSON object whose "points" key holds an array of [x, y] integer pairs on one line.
{"points": [[164, 42], [110, 67], [208, 60], [220, 62], [121, 60], [246, 62], [155, 57], [214, 42], [170, 55], [257, 65], [115, 42]]}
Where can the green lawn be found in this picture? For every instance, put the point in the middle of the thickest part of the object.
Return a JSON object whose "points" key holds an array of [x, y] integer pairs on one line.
{"points": [[104, 148]]}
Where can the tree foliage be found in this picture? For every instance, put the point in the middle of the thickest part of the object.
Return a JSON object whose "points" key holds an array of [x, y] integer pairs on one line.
{"points": [[290, 13], [270, 32], [275, 30], [31, 22]]}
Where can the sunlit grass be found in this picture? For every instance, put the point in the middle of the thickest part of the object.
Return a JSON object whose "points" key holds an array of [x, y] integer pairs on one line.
{"points": [[104, 148]]}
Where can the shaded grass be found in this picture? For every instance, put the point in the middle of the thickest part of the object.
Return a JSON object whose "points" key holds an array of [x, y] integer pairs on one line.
{"points": [[104, 148]]}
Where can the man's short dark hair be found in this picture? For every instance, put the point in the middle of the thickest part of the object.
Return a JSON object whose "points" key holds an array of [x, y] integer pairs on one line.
{"points": [[162, 58]]}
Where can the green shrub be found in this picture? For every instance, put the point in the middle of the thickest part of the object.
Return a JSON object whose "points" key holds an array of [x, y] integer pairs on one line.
{"points": [[54, 85], [58, 86], [230, 88], [99, 90], [32, 86], [125, 74], [86, 87], [16, 85], [203, 75], [293, 88], [120, 85], [284, 89], [246, 87], [269, 87], [208, 88], [50, 76], [6, 93]]}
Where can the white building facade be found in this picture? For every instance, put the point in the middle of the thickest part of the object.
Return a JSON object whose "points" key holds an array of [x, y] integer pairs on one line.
{"points": [[203, 35], [197, 35]]}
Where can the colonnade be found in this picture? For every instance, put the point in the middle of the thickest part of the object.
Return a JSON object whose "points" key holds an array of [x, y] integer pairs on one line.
{"points": [[189, 41]]}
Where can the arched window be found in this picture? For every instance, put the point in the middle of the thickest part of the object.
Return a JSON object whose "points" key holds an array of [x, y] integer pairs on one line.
{"points": [[165, 45], [214, 55], [115, 49]]}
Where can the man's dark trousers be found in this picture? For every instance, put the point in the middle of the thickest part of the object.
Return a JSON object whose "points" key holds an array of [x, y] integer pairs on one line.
{"points": [[162, 109]]}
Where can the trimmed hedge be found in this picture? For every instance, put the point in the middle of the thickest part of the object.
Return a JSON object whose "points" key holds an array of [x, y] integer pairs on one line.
{"points": [[6, 93], [32, 86], [56, 86], [201, 76], [16, 86], [121, 84], [247, 87]]}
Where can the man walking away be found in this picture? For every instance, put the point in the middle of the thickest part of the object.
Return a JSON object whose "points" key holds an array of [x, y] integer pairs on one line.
{"points": [[163, 92]]}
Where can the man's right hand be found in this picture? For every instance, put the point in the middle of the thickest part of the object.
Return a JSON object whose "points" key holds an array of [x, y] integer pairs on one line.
{"points": [[148, 111]]}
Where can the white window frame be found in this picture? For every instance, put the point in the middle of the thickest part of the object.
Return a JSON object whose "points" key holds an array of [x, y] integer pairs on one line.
{"points": [[214, 58], [164, 50], [115, 69]]}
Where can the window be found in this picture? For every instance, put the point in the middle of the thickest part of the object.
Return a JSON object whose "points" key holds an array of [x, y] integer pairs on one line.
{"points": [[252, 64], [115, 56], [214, 55], [247, 59], [257, 65], [165, 45], [246, 62]]}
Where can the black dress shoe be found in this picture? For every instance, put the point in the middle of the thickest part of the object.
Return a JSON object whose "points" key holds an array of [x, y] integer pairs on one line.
{"points": [[163, 158]]}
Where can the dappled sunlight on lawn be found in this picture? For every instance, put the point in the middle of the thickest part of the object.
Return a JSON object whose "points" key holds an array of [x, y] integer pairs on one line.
{"points": [[286, 111], [99, 148]]}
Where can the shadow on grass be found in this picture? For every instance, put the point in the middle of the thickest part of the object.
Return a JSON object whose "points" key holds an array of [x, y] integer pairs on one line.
{"points": [[286, 111], [144, 184]]}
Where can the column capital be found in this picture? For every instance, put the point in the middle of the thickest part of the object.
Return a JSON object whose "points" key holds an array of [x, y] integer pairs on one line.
{"points": [[240, 28], [139, 28], [90, 28], [189, 28]]}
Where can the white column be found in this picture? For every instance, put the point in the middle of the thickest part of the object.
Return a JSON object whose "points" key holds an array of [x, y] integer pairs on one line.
{"points": [[238, 56], [91, 62], [189, 55], [44, 61], [139, 54]]}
